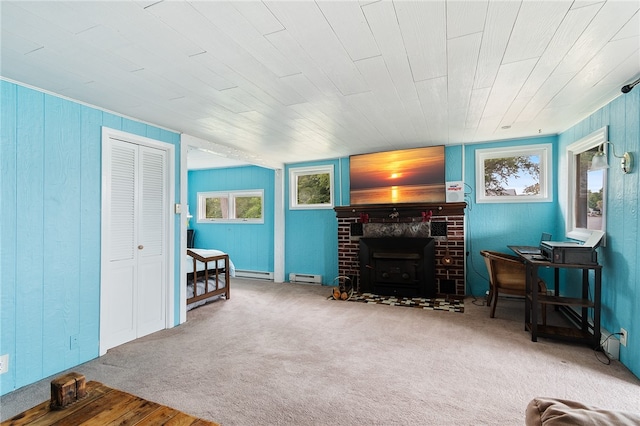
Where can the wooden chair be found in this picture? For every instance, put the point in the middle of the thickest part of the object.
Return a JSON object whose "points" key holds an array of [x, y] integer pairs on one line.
{"points": [[507, 275]]}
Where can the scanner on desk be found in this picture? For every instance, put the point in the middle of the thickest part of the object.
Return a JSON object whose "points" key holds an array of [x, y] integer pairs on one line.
{"points": [[573, 252]]}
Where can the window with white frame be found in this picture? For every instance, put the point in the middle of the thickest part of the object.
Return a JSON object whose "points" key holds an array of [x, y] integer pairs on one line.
{"points": [[311, 187], [231, 206], [519, 174], [586, 207]]}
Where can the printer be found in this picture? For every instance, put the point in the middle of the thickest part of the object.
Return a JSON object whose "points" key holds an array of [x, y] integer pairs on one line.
{"points": [[573, 252]]}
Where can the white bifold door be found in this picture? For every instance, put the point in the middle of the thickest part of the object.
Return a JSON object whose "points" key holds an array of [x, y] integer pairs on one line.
{"points": [[134, 231]]}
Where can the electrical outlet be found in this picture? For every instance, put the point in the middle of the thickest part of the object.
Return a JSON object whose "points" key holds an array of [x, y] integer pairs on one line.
{"points": [[623, 337], [610, 344], [4, 363], [73, 342]]}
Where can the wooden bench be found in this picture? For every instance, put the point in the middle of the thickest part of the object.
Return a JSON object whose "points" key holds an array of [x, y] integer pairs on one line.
{"points": [[73, 402]]}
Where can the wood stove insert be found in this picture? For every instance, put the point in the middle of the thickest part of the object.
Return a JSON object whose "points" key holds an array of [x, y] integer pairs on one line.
{"points": [[403, 267]]}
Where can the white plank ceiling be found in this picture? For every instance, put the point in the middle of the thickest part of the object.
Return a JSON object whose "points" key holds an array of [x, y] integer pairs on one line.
{"points": [[282, 82]]}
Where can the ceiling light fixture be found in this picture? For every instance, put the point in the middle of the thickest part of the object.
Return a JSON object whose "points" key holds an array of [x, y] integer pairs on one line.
{"points": [[628, 87], [600, 162]]}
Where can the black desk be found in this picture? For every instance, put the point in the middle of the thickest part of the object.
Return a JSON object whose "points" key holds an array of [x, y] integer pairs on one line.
{"points": [[583, 332]]}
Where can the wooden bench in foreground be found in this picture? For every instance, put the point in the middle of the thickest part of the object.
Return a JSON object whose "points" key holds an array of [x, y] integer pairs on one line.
{"points": [[75, 402]]}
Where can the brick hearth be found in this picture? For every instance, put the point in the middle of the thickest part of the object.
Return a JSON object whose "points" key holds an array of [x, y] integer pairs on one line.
{"points": [[449, 216]]}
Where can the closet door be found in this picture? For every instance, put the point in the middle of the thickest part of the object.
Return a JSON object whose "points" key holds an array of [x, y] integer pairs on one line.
{"points": [[133, 299], [152, 246]]}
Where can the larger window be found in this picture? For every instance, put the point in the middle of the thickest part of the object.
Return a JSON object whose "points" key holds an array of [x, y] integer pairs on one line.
{"points": [[514, 174], [311, 187], [587, 188], [232, 206]]}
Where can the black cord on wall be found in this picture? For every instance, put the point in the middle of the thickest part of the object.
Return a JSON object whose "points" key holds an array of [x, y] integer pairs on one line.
{"points": [[475, 300]]}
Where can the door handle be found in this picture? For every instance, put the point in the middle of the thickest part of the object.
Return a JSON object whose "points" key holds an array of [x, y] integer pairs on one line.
{"points": [[140, 247]]}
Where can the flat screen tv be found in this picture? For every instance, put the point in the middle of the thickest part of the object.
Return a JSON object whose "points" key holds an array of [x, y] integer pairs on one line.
{"points": [[394, 177]]}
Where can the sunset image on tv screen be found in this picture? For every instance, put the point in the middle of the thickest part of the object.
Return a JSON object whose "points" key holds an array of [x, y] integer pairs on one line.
{"points": [[403, 176]]}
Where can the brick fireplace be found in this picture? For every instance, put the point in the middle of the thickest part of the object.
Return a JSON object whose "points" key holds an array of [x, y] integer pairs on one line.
{"points": [[443, 222]]}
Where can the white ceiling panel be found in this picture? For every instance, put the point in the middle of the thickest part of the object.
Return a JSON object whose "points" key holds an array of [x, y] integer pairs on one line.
{"points": [[375, 113], [288, 46], [536, 24], [435, 106], [554, 84], [349, 24], [605, 25], [611, 56], [488, 125], [301, 84], [501, 17], [270, 109], [55, 80], [236, 27], [103, 37], [259, 15], [18, 44], [464, 18], [110, 95], [510, 78], [29, 26], [63, 76], [277, 82], [67, 17], [183, 18], [308, 26], [631, 28], [477, 102], [564, 38], [462, 56], [577, 4], [383, 22], [215, 98], [619, 73], [423, 27], [211, 71], [513, 112], [375, 72]]}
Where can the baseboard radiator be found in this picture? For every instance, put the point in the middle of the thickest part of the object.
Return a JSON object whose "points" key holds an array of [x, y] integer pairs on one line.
{"points": [[260, 275], [305, 278]]}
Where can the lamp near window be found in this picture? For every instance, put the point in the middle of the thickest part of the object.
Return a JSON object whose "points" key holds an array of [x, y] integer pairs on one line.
{"points": [[599, 160]]}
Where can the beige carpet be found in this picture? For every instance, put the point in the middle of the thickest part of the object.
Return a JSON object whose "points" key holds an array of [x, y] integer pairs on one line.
{"points": [[285, 354]]}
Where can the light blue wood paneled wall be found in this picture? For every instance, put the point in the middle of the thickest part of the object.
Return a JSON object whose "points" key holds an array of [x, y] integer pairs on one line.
{"points": [[493, 226], [311, 236], [621, 255], [50, 227], [453, 158], [250, 246]]}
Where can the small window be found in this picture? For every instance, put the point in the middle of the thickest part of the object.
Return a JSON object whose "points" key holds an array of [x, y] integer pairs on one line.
{"points": [[586, 187], [520, 174], [236, 206], [311, 187]]}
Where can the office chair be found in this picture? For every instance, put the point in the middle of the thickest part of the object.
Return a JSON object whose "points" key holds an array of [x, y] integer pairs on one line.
{"points": [[507, 275]]}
